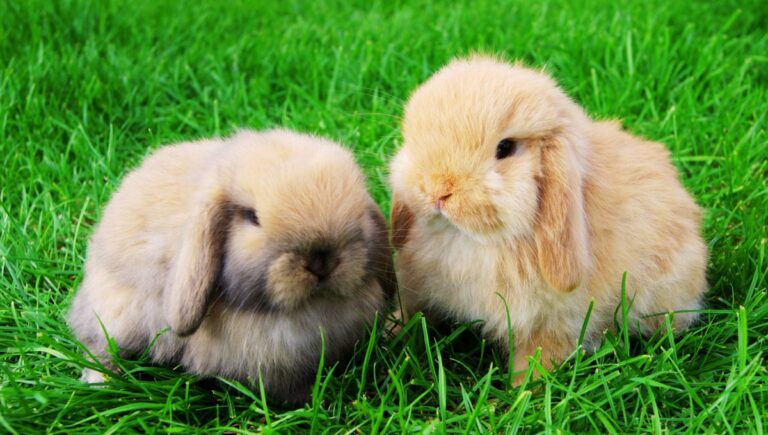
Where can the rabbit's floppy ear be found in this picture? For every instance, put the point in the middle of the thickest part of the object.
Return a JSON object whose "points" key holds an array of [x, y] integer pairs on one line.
{"points": [[402, 219], [198, 263], [561, 231], [383, 266]]}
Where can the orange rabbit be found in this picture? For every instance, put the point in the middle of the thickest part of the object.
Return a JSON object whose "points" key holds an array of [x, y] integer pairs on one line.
{"points": [[505, 191]]}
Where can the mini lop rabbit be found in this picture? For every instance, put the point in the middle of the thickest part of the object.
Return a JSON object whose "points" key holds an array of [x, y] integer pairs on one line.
{"points": [[505, 192], [247, 248]]}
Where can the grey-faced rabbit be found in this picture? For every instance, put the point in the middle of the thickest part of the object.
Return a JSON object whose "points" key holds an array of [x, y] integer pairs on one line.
{"points": [[247, 248]]}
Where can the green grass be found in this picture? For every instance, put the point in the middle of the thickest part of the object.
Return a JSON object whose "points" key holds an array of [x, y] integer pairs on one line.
{"points": [[89, 88]]}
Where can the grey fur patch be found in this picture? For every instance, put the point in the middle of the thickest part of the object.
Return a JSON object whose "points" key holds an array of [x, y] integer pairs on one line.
{"points": [[246, 288]]}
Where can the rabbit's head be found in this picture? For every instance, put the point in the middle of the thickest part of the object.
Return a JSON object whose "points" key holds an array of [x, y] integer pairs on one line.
{"points": [[496, 152], [281, 219]]}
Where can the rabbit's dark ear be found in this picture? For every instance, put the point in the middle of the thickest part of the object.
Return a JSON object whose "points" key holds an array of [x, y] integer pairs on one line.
{"points": [[402, 219], [561, 231], [198, 263], [381, 259]]}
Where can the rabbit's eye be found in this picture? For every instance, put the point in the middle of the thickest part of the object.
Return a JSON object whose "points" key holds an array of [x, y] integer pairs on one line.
{"points": [[506, 148], [250, 215]]}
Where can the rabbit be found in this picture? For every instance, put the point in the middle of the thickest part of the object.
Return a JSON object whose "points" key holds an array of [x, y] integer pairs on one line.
{"points": [[248, 249], [511, 206]]}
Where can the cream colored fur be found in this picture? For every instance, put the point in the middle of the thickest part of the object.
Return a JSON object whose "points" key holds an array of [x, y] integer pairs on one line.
{"points": [[546, 230], [174, 235]]}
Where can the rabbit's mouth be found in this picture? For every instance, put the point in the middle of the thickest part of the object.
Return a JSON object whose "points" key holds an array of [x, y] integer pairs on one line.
{"points": [[474, 219], [322, 288]]}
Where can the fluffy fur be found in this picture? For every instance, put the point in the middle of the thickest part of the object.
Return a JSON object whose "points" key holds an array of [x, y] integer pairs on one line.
{"points": [[545, 230], [180, 247]]}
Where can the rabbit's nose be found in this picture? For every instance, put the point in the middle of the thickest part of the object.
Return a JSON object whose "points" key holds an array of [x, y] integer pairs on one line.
{"points": [[440, 203], [322, 262]]}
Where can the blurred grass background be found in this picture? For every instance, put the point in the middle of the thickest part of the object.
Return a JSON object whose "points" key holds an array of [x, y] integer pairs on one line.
{"points": [[87, 88]]}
